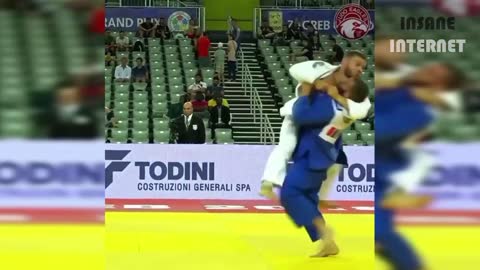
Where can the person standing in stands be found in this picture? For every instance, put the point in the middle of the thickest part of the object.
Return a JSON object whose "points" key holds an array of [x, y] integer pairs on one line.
{"points": [[220, 62], [189, 128], [232, 58], [235, 32], [203, 47]]}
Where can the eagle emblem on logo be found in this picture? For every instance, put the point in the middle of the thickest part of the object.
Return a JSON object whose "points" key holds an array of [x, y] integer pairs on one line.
{"points": [[353, 21]]}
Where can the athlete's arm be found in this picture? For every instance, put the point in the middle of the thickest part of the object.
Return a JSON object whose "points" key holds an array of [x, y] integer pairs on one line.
{"points": [[429, 96]]}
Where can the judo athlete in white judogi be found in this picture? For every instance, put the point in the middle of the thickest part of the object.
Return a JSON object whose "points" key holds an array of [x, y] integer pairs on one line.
{"points": [[307, 74]]}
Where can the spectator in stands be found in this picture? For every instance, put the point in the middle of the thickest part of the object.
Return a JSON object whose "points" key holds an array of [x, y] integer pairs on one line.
{"points": [[199, 103], [203, 47], [220, 62], [109, 59], [109, 39], [232, 58], [218, 99], [235, 32], [294, 30], [219, 114], [147, 29], [215, 89], [123, 72], [70, 118], [110, 121], [189, 129], [306, 51], [140, 72], [123, 42], [192, 29], [198, 86], [337, 53], [311, 35], [161, 30], [281, 39], [266, 31]]}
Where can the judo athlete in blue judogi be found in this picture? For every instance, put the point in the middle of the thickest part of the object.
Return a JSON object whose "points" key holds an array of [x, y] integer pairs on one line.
{"points": [[404, 113], [320, 121], [398, 115]]}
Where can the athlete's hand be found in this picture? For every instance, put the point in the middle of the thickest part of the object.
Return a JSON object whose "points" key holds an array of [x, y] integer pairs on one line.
{"points": [[321, 85]]}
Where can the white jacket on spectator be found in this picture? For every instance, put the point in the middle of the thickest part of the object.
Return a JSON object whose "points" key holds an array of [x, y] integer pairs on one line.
{"points": [[123, 73]]}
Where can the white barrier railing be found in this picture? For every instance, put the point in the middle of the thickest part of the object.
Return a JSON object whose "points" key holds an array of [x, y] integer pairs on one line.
{"points": [[267, 134]]}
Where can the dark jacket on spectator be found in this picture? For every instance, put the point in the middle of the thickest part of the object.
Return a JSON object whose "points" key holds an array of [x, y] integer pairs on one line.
{"points": [[195, 134], [225, 115], [82, 125]]}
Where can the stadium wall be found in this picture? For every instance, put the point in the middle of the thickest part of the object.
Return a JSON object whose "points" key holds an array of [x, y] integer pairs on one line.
{"points": [[217, 13]]}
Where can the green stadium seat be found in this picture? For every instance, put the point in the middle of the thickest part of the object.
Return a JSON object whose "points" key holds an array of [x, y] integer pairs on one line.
{"points": [[191, 72], [263, 42], [185, 42], [121, 105], [121, 97], [155, 55], [223, 134], [158, 80], [367, 136], [139, 86], [122, 124], [140, 97], [140, 115], [350, 136], [141, 105], [175, 72], [161, 136], [159, 109], [169, 42], [156, 64], [177, 89], [119, 136], [362, 126], [140, 136], [121, 88], [283, 50], [189, 64], [175, 80], [140, 125], [159, 96], [207, 73], [171, 57], [161, 125], [188, 57], [282, 82]]}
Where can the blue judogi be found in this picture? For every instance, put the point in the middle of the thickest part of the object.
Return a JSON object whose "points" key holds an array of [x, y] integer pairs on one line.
{"points": [[397, 115], [312, 157]]}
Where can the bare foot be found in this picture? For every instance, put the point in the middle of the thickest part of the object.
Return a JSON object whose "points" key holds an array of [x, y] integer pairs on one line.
{"points": [[328, 249], [403, 200], [266, 190], [326, 205]]}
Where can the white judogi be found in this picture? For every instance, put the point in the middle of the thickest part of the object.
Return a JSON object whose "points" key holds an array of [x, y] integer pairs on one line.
{"points": [[308, 72]]}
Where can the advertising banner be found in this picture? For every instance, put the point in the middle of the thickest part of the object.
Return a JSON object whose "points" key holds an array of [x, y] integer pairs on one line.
{"points": [[455, 181], [322, 20], [223, 172], [52, 175], [129, 19]]}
